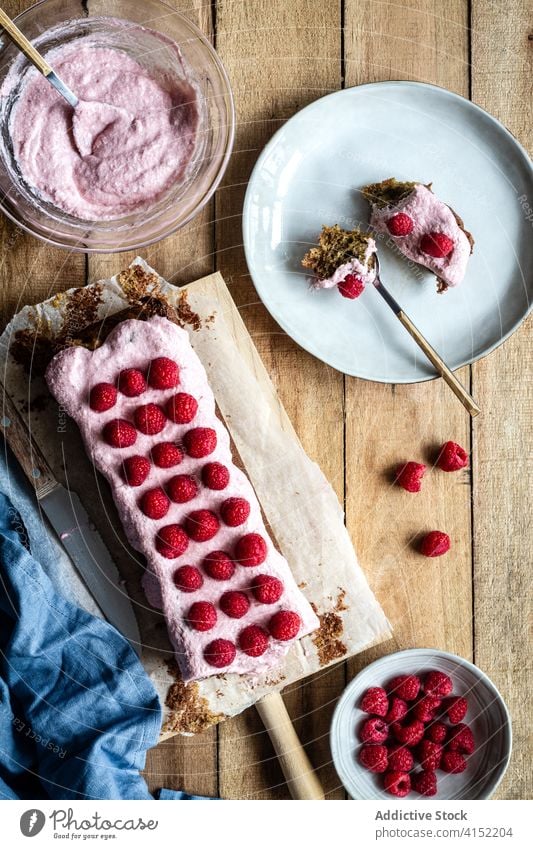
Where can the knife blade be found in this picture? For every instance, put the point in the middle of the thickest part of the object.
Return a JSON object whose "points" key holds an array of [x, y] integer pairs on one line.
{"points": [[70, 521]]}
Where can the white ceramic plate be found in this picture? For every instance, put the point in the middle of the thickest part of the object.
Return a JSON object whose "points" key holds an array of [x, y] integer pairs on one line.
{"points": [[487, 717], [310, 174]]}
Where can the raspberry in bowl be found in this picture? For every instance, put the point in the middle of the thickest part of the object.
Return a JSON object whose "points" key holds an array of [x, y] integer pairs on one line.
{"points": [[451, 739]]}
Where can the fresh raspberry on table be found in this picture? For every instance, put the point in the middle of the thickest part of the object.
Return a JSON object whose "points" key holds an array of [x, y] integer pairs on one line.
{"points": [[219, 566], [456, 708], [397, 783], [200, 441], [424, 783], [400, 224], [253, 641], [154, 503], [202, 525], [102, 397], [397, 710], [171, 542], [461, 739], [181, 408], [182, 488], [351, 287], [149, 419], [267, 589], [166, 454], [188, 579], [400, 759], [373, 758], [437, 683], [202, 616], [435, 544], [234, 511], [405, 687], [119, 433], [426, 709], [163, 373], [375, 701], [436, 732], [409, 734], [452, 457], [374, 730], [131, 382], [453, 762], [409, 476], [284, 625], [215, 476], [220, 653], [429, 755], [251, 550], [437, 245], [234, 604], [136, 469]]}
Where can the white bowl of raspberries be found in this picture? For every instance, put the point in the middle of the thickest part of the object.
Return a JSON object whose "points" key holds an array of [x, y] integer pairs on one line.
{"points": [[421, 724]]}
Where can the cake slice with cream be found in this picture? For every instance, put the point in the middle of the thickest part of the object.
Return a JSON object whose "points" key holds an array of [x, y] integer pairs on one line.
{"points": [[342, 258]]}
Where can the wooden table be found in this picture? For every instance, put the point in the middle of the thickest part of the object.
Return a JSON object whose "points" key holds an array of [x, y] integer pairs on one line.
{"points": [[280, 55]]}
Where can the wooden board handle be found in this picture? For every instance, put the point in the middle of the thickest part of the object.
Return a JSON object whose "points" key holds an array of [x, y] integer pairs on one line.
{"points": [[23, 44], [301, 778]]}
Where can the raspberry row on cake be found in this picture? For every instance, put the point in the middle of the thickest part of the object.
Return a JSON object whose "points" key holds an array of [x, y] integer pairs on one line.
{"points": [[147, 417]]}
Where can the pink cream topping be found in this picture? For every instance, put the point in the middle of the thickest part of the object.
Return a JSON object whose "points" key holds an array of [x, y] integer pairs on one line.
{"points": [[353, 266]]}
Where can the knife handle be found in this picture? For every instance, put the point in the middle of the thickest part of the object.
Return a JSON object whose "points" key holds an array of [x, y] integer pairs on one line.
{"points": [[23, 446]]}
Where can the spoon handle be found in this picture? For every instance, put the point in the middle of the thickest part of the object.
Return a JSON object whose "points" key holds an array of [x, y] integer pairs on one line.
{"points": [[25, 46]]}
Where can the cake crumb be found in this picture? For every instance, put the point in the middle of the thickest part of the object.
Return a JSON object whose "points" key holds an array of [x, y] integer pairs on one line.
{"points": [[190, 712], [327, 640]]}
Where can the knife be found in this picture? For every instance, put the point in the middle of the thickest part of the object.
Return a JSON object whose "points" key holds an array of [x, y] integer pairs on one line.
{"points": [[70, 521]]}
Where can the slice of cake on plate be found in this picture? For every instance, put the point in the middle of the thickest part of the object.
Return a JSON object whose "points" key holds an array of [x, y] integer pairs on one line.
{"points": [[423, 228], [343, 258]]}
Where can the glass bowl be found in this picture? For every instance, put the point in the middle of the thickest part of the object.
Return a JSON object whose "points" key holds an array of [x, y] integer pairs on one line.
{"points": [[151, 24]]}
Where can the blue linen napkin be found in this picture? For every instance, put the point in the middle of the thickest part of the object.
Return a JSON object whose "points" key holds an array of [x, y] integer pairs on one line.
{"points": [[77, 710]]}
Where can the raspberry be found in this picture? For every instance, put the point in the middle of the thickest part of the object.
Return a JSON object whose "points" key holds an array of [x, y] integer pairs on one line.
{"points": [[202, 616], [234, 511], [429, 755], [436, 732], [220, 653], [410, 734], [400, 224], [453, 762], [149, 419], [397, 710], [182, 488], [181, 408], [253, 641], [200, 441], [284, 625], [171, 542], [131, 382], [426, 709], [397, 783], [405, 687], [435, 544], [424, 783], [267, 589], [234, 604], [135, 469], [375, 701], [119, 433], [163, 373], [202, 525], [215, 476], [374, 758], [456, 709], [409, 476], [251, 550], [437, 245], [188, 579], [166, 454], [461, 739], [374, 730], [154, 503], [351, 287], [103, 396], [437, 684], [452, 457], [219, 566], [400, 759]]}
